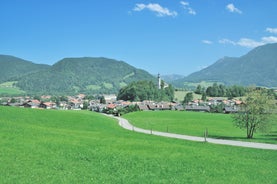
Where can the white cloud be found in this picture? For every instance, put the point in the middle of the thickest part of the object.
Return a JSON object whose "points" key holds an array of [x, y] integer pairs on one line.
{"points": [[249, 43], [227, 41], [207, 42], [187, 7], [270, 39], [184, 3], [271, 30], [231, 7], [158, 9]]}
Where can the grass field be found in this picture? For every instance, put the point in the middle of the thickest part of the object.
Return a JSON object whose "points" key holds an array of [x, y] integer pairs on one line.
{"points": [[179, 95], [195, 123], [8, 88], [47, 146]]}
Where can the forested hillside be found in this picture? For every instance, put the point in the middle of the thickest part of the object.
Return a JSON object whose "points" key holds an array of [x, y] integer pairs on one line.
{"points": [[258, 67], [83, 75], [145, 90], [13, 68]]}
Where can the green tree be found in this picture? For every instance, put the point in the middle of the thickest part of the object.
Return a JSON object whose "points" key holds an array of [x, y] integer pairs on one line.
{"points": [[204, 96], [64, 98], [145, 90], [102, 100], [13, 100], [198, 90], [188, 98], [37, 97], [85, 105], [255, 113]]}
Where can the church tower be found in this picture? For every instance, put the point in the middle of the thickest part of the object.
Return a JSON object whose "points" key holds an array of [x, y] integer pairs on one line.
{"points": [[159, 82]]}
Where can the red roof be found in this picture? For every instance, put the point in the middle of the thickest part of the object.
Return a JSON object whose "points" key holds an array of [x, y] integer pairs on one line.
{"points": [[111, 106], [35, 101]]}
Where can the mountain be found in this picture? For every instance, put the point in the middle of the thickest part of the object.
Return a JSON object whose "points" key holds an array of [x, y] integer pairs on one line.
{"points": [[258, 67], [172, 77], [83, 75], [13, 68]]}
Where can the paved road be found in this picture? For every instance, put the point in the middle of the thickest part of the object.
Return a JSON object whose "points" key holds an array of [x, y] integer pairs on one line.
{"points": [[125, 124]]}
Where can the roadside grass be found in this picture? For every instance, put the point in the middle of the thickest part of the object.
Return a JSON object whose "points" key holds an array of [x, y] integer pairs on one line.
{"points": [[195, 123], [48, 146]]}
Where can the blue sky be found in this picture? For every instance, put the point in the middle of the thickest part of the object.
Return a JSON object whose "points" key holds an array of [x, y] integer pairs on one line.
{"points": [[160, 36]]}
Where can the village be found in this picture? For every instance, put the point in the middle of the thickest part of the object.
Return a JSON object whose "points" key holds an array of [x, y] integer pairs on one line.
{"points": [[110, 104]]}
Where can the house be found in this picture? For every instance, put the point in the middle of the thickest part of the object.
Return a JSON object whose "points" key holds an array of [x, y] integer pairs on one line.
{"points": [[45, 97], [143, 107], [228, 110], [81, 96], [48, 105], [75, 104], [198, 108], [110, 98], [179, 107], [16, 104], [163, 106], [111, 106], [31, 104], [152, 107]]}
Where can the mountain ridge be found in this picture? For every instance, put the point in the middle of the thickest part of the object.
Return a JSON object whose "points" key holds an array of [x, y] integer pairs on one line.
{"points": [[257, 67], [103, 75], [14, 67], [83, 75]]}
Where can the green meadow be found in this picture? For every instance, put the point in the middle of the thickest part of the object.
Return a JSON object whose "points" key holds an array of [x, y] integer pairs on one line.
{"points": [[8, 88], [48, 146], [195, 123]]}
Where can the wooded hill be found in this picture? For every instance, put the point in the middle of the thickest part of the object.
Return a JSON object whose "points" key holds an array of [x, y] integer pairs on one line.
{"points": [[13, 68], [77, 75], [258, 67]]}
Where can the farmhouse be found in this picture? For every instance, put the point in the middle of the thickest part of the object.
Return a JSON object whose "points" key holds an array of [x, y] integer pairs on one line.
{"points": [[198, 108], [48, 105], [31, 104]]}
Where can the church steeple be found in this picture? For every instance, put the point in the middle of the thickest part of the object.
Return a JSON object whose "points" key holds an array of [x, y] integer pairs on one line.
{"points": [[159, 81]]}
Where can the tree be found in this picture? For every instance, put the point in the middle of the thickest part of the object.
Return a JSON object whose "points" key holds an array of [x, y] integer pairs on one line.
{"points": [[85, 105], [198, 90], [255, 113], [204, 96], [188, 98], [13, 100], [102, 100]]}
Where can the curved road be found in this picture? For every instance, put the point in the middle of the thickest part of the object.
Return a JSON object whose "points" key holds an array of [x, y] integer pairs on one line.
{"points": [[125, 124]]}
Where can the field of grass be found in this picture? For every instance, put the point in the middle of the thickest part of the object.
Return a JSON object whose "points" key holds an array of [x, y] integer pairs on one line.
{"points": [[195, 123], [8, 88], [47, 146], [179, 95]]}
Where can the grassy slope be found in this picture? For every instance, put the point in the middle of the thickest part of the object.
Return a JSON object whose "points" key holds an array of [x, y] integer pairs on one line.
{"points": [[39, 146], [195, 123], [8, 88]]}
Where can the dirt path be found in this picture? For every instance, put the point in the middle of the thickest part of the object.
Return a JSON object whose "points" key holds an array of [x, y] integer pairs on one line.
{"points": [[125, 124]]}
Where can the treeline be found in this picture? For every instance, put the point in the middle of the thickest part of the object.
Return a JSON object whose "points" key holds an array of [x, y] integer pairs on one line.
{"points": [[145, 90], [221, 91], [226, 91]]}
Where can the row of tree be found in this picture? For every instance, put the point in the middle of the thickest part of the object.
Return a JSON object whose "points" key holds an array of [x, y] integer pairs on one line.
{"points": [[221, 91]]}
